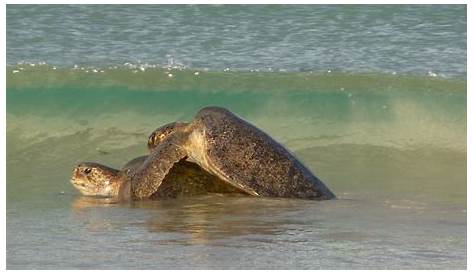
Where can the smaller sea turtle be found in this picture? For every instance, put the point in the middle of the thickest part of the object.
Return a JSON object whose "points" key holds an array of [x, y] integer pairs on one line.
{"points": [[184, 179]]}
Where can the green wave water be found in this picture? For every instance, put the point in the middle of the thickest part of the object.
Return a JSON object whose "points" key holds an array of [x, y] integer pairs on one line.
{"points": [[324, 108], [387, 145], [118, 108]]}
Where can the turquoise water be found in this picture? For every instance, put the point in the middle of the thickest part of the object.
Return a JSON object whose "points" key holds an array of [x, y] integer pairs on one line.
{"points": [[371, 98]]}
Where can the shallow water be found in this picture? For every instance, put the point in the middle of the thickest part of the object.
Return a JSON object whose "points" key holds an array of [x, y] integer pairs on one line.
{"points": [[391, 146], [220, 232]]}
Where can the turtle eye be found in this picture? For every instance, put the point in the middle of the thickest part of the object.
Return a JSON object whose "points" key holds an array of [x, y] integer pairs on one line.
{"points": [[87, 170]]}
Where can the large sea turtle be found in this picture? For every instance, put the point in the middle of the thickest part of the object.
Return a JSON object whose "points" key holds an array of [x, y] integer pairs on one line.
{"points": [[230, 148]]}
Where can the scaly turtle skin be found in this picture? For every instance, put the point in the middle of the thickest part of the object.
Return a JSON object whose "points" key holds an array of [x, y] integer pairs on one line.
{"points": [[230, 148], [94, 179]]}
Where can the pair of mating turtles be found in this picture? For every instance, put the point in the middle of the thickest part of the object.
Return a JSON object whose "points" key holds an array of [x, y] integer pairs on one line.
{"points": [[216, 152]]}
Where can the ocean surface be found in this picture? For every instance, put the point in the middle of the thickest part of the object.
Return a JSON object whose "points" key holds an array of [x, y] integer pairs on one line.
{"points": [[372, 99]]}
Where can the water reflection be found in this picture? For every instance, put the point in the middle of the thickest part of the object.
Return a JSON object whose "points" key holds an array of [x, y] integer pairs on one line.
{"points": [[202, 219], [214, 217], [83, 202]]}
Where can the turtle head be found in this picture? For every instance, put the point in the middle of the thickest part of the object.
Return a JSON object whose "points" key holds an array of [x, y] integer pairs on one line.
{"points": [[162, 133], [94, 179]]}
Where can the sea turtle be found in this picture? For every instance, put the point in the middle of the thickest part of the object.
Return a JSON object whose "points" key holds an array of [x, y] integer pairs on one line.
{"points": [[230, 148], [184, 179]]}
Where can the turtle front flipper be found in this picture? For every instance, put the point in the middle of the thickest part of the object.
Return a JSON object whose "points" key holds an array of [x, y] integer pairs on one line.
{"points": [[145, 180]]}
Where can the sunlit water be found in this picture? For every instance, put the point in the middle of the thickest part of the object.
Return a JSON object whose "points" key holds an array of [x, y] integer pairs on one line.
{"points": [[391, 146]]}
